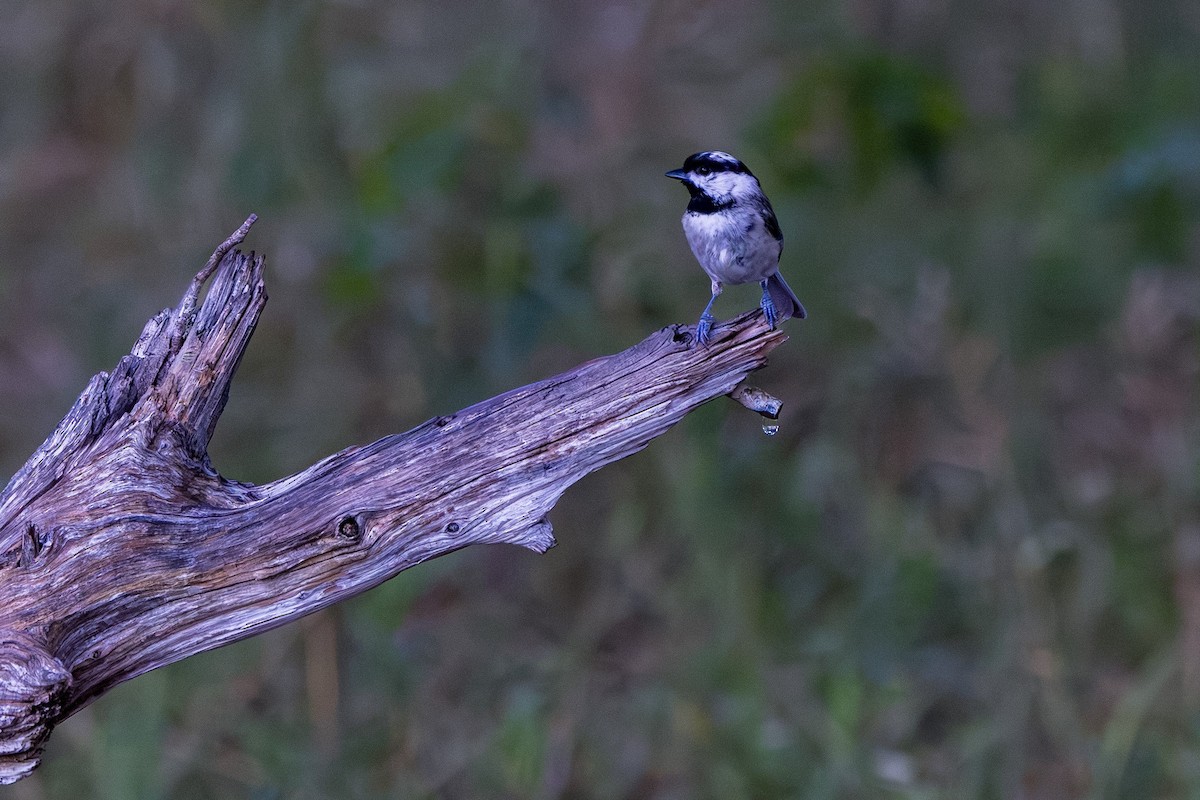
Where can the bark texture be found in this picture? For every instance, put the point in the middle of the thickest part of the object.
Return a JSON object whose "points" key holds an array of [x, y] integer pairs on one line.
{"points": [[122, 549]]}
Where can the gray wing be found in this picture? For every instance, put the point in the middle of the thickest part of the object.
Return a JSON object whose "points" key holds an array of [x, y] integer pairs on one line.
{"points": [[770, 221]]}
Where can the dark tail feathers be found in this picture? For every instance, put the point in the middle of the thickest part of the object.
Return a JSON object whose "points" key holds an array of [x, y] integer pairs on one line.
{"points": [[785, 300]]}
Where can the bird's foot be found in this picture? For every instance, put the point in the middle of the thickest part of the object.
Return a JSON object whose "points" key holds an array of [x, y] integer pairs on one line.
{"points": [[704, 328], [769, 311]]}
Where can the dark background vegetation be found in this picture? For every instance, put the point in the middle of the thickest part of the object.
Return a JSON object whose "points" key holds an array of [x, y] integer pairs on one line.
{"points": [[968, 566]]}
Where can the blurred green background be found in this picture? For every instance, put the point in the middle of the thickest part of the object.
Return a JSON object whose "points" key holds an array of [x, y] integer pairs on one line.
{"points": [[968, 566]]}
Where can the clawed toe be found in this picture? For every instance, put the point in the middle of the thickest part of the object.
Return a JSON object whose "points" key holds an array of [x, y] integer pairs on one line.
{"points": [[769, 311]]}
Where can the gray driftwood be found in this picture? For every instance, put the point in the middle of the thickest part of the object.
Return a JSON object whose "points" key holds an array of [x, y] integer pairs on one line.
{"points": [[122, 549]]}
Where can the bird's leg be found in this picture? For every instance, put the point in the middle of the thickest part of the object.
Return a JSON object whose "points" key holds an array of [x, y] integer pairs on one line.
{"points": [[704, 327], [768, 306]]}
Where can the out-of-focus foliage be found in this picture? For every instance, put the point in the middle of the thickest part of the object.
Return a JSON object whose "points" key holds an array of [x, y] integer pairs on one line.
{"points": [[968, 566]]}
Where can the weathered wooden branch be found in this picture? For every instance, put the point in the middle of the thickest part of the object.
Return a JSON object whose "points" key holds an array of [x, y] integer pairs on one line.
{"points": [[122, 549]]}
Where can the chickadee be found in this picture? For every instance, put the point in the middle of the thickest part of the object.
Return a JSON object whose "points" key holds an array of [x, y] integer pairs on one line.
{"points": [[732, 230]]}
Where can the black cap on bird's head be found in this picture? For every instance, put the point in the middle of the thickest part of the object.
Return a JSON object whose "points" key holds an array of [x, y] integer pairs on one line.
{"points": [[707, 162]]}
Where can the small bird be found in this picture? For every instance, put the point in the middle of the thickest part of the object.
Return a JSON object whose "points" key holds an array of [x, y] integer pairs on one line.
{"points": [[732, 230]]}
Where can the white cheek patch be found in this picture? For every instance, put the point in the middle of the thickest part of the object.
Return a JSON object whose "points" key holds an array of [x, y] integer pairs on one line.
{"points": [[723, 184]]}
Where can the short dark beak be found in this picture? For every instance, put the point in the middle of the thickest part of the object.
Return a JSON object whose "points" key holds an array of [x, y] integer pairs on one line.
{"points": [[678, 175]]}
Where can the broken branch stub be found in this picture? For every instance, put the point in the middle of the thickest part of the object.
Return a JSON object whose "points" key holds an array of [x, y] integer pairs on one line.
{"points": [[122, 549]]}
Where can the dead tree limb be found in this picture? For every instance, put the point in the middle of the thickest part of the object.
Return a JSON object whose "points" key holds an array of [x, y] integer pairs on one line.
{"points": [[122, 549]]}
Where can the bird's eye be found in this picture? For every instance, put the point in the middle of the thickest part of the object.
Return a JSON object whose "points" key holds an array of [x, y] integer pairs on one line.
{"points": [[703, 170]]}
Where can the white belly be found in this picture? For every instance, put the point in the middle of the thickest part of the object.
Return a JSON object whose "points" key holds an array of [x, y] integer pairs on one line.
{"points": [[727, 251]]}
